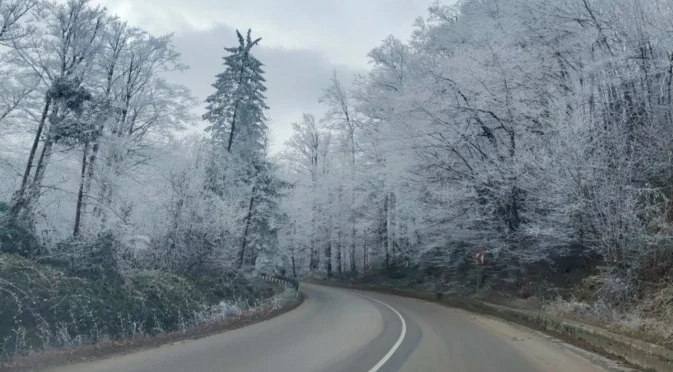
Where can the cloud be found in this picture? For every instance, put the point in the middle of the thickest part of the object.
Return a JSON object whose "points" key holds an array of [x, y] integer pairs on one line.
{"points": [[303, 41], [344, 30]]}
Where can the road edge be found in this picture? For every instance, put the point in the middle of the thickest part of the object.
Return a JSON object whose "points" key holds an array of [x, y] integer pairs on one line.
{"points": [[91, 353], [636, 352]]}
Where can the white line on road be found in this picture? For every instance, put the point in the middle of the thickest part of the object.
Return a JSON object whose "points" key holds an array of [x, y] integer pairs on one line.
{"points": [[399, 340]]}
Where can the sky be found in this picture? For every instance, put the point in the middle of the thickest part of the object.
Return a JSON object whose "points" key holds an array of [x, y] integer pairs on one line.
{"points": [[303, 41]]}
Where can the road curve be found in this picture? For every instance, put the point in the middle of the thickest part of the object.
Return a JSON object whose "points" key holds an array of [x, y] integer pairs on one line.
{"points": [[345, 330]]}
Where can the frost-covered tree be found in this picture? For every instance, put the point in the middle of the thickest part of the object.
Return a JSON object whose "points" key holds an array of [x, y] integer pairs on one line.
{"points": [[91, 84], [62, 53], [534, 130], [238, 168], [13, 25], [141, 107], [236, 110], [341, 117], [18, 84]]}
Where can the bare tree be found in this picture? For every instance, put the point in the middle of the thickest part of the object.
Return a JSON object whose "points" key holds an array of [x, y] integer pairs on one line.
{"points": [[341, 116], [61, 55]]}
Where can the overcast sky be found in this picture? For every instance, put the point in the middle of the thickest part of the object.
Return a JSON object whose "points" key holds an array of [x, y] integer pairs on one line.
{"points": [[302, 42]]}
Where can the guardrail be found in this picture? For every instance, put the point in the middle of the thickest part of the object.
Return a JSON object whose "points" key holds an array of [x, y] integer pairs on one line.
{"points": [[288, 282]]}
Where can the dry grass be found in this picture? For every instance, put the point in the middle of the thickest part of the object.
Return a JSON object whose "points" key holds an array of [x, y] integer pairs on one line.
{"points": [[651, 319]]}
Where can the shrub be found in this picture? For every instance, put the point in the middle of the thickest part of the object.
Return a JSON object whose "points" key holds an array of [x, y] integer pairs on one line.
{"points": [[16, 236], [45, 306], [35, 300], [219, 283], [102, 259], [160, 301]]}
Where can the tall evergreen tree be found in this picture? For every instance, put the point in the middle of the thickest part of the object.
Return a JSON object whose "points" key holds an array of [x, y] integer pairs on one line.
{"points": [[236, 110], [239, 147]]}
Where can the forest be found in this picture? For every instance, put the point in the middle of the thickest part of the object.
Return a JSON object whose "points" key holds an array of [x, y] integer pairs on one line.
{"points": [[535, 131]]}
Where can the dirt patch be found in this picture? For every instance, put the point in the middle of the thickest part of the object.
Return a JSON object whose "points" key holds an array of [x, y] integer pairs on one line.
{"points": [[87, 353]]}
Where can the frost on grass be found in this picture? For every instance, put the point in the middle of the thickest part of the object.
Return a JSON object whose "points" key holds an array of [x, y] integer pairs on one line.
{"points": [[649, 320], [48, 308]]}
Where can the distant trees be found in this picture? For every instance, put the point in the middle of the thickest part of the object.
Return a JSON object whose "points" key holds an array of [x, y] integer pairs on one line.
{"points": [[341, 118], [306, 155]]}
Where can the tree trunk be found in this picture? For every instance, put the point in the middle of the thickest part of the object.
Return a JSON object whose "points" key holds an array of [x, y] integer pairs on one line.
{"points": [[354, 268], [90, 172], [390, 230], [352, 247], [233, 126], [339, 255], [233, 119], [36, 184], [384, 233], [294, 265], [328, 257], [19, 198], [311, 259], [313, 240], [364, 252], [80, 193], [106, 192], [328, 247], [248, 219]]}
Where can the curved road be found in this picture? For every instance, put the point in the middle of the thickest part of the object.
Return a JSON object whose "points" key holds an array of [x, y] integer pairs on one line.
{"points": [[347, 330]]}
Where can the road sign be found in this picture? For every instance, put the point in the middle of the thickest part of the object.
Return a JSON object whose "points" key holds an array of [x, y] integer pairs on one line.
{"points": [[480, 257]]}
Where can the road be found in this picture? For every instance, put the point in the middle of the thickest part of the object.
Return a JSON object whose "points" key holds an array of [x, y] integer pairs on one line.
{"points": [[346, 330]]}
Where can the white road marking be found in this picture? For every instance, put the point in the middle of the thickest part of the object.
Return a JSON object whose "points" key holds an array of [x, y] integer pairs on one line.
{"points": [[399, 340]]}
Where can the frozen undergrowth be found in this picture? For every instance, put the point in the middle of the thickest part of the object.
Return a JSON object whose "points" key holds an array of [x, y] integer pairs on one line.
{"points": [[650, 320], [60, 335], [231, 310], [44, 307]]}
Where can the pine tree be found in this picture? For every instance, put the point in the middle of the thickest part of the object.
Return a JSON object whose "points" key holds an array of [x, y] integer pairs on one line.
{"points": [[239, 146], [236, 110]]}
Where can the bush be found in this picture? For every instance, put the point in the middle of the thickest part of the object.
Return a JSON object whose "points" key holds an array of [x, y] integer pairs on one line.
{"points": [[103, 259], [226, 283], [36, 302], [161, 301], [44, 306], [15, 235]]}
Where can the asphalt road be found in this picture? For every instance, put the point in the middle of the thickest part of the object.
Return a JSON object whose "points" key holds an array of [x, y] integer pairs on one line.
{"points": [[345, 330]]}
